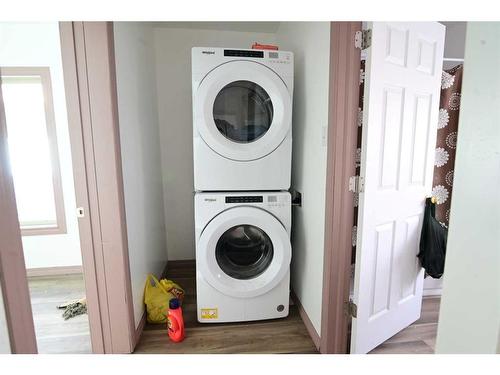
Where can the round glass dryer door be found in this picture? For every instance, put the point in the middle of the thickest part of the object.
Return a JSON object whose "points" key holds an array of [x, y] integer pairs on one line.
{"points": [[244, 252], [242, 110]]}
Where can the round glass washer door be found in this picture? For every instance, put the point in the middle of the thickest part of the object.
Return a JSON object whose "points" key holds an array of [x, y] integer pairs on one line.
{"points": [[242, 110], [244, 252]]}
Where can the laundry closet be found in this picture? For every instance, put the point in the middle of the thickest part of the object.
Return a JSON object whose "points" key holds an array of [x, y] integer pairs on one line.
{"points": [[155, 103], [154, 82]]}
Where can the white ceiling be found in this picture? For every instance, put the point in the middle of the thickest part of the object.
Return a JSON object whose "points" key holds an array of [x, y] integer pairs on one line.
{"points": [[243, 26]]}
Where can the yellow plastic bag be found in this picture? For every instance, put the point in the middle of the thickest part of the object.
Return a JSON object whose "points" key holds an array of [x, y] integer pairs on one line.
{"points": [[157, 295]]}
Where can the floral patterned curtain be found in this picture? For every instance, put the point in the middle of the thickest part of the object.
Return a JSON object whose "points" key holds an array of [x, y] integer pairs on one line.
{"points": [[446, 143], [449, 108], [358, 151]]}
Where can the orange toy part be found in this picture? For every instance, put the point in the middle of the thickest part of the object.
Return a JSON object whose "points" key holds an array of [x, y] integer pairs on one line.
{"points": [[264, 46]]}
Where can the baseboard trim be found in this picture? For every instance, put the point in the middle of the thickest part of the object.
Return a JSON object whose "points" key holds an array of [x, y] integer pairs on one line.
{"points": [[432, 292], [307, 322], [142, 322], [54, 271], [140, 328]]}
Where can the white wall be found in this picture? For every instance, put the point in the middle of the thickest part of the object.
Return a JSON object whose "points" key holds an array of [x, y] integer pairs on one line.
{"points": [[173, 71], [141, 160], [454, 43], [38, 44], [310, 42], [469, 320]]}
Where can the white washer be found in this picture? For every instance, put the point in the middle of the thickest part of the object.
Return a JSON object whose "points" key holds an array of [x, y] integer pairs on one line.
{"points": [[243, 256], [242, 119]]}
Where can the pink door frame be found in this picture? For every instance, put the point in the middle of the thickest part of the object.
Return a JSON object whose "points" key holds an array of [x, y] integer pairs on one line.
{"points": [[88, 60], [89, 77], [345, 60], [82, 187]]}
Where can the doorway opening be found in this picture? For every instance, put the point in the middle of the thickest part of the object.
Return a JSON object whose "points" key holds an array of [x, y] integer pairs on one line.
{"points": [[39, 152]]}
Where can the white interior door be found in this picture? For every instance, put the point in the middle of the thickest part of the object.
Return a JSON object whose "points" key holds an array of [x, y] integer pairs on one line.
{"points": [[403, 76]]}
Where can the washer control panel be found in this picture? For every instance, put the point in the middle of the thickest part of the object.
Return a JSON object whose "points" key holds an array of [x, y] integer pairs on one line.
{"points": [[210, 204], [245, 199], [269, 200], [277, 200]]}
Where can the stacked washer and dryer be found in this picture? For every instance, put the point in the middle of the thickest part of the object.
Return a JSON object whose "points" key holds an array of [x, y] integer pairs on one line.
{"points": [[242, 144]]}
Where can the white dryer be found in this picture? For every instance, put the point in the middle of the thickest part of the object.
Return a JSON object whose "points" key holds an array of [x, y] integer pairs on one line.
{"points": [[242, 119], [243, 256]]}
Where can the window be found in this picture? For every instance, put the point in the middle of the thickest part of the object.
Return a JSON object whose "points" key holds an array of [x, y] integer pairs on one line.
{"points": [[31, 132]]}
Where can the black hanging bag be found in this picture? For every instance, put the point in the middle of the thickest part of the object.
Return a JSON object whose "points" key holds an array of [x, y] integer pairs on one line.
{"points": [[432, 242]]}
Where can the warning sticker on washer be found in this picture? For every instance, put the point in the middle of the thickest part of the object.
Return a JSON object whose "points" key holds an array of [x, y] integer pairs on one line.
{"points": [[209, 313]]}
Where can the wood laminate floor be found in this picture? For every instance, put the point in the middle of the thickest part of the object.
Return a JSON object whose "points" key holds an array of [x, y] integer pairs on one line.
{"points": [[420, 337], [273, 336], [53, 333], [287, 335]]}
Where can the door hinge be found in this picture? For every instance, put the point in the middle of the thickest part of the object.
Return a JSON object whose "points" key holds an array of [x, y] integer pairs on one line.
{"points": [[354, 236], [356, 184], [351, 309], [363, 39]]}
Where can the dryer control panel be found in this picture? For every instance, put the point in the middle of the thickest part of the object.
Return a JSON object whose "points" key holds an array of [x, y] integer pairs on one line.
{"points": [[205, 60], [244, 53], [273, 57], [276, 57]]}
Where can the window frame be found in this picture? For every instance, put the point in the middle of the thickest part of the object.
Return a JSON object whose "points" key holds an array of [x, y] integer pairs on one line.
{"points": [[44, 73]]}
